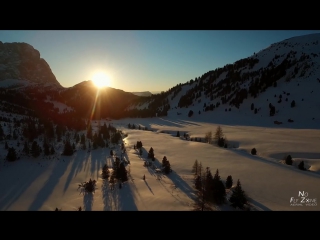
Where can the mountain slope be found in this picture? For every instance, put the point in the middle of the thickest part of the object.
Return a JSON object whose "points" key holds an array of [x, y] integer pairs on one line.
{"points": [[21, 61], [284, 72]]}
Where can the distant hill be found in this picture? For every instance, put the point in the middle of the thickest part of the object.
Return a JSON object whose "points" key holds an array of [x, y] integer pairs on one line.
{"points": [[142, 94]]}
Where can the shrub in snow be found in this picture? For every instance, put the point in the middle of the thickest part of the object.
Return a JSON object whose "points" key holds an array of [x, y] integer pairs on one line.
{"points": [[89, 186], [288, 160], [301, 166], [254, 151]]}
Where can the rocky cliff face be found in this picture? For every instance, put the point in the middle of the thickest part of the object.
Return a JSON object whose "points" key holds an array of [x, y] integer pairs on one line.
{"points": [[22, 61]]}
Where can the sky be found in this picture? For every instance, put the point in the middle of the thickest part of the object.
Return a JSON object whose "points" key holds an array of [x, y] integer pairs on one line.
{"points": [[143, 60]]}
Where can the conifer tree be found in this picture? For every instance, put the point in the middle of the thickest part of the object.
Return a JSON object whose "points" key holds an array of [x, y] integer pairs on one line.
{"points": [[238, 197], [123, 172], [208, 137], [26, 149], [1, 132], [151, 154], [218, 189], [195, 167], [68, 150], [229, 182], [11, 155], [52, 151], [35, 149]]}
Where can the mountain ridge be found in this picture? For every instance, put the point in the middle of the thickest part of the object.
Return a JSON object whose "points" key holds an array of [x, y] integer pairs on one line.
{"points": [[287, 67]]}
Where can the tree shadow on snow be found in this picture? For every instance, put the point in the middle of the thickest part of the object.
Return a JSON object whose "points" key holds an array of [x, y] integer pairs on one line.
{"points": [[50, 184], [259, 205], [19, 183], [116, 199], [77, 165], [88, 201], [148, 187], [178, 182]]}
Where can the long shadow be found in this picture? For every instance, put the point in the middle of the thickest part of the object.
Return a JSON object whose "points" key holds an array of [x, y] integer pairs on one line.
{"points": [[96, 161], [261, 206], [77, 165], [20, 182], [179, 182], [50, 184], [148, 187], [88, 201], [270, 162], [308, 155], [118, 199]]}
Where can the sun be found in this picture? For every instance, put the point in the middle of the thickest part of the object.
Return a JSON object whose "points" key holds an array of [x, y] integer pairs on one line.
{"points": [[100, 79]]}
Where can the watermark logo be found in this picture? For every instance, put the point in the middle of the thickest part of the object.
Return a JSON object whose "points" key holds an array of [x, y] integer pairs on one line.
{"points": [[303, 199]]}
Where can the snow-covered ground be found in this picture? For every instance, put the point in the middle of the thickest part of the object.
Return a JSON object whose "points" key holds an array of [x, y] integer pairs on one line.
{"points": [[44, 184]]}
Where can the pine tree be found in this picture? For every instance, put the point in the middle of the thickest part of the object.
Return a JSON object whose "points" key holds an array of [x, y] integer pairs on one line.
{"points": [[35, 149], [195, 167], [218, 189], [198, 182], [83, 139], [89, 131], [208, 187], [208, 137], [166, 165], [238, 197], [68, 150], [219, 137], [229, 182], [26, 149], [46, 147], [52, 151], [11, 155], [151, 154], [1, 132], [123, 172]]}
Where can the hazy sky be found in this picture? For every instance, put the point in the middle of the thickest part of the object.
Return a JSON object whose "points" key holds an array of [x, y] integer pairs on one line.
{"points": [[144, 60]]}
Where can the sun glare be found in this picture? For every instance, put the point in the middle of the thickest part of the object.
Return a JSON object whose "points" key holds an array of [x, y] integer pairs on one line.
{"points": [[101, 79]]}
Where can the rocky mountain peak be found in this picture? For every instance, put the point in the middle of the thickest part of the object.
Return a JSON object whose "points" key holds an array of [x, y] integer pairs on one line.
{"points": [[22, 61]]}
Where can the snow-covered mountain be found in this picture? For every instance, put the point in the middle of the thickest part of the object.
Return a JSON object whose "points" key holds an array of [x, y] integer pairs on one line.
{"points": [[278, 83]]}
